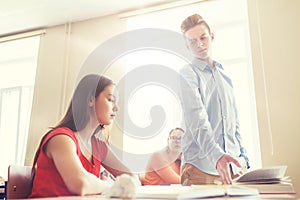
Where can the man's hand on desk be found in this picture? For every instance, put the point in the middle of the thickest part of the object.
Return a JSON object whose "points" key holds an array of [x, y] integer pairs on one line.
{"points": [[224, 169]]}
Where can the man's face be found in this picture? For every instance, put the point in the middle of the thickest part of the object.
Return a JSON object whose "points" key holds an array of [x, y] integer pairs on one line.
{"points": [[199, 41]]}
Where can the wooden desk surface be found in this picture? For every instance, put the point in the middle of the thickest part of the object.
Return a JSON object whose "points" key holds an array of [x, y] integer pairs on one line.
{"points": [[214, 192], [259, 197]]}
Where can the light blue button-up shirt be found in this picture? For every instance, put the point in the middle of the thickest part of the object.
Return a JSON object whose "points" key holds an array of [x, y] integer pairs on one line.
{"points": [[210, 117]]}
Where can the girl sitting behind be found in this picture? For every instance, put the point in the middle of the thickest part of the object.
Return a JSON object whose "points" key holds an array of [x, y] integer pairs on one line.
{"points": [[164, 166]]}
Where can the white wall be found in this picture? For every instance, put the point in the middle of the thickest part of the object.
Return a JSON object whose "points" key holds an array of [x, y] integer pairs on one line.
{"points": [[48, 88], [275, 31], [62, 52]]}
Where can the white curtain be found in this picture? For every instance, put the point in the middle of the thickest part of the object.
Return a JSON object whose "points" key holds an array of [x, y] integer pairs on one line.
{"points": [[15, 110], [18, 62]]}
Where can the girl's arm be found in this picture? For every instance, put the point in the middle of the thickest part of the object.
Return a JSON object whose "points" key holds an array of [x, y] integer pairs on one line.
{"points": [[159, 164], [114, 165], [62, 150], [169, 175]]}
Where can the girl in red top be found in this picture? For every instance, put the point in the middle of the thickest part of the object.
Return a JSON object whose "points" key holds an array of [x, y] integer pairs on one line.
{"points": [[68, 159]]}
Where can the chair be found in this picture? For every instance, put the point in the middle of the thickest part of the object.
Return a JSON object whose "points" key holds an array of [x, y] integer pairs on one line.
{"points": [[19, 182]]}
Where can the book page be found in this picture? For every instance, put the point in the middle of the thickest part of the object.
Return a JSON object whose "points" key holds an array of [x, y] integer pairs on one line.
{"points": [[178, 192], [272, 188], [238, 190], [269, 173], [194, 191]]}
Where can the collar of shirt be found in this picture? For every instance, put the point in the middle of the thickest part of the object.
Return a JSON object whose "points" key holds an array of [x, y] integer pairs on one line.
{"points": [[204, 65]]}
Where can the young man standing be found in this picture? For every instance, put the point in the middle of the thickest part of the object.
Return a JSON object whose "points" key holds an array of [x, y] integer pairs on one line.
{"points": [[212, 146]]}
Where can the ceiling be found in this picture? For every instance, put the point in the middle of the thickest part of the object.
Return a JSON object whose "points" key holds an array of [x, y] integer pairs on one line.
{"points": [[18, 16]]}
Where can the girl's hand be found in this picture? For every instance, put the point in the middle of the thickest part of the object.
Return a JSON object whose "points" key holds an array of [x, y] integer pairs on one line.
{"points": [[124, 187]]}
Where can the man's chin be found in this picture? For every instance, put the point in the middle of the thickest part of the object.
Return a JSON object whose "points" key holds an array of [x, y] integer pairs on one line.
{"points": [[202, 56]]}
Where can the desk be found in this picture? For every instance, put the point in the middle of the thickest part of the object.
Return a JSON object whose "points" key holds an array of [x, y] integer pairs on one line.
{"points": [[259, 197], [178, 191]]}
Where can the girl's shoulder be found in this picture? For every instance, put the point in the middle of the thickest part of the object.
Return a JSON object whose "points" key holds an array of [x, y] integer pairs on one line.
{"points": [[60, 131], [159, 157], [64, 130]]}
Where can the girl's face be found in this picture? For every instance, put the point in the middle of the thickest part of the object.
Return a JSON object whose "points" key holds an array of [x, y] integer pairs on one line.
{"points": [[175, 139], [105, 106]]}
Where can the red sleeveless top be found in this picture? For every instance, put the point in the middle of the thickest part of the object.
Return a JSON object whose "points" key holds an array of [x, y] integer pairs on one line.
{"points": [[48, 182]]}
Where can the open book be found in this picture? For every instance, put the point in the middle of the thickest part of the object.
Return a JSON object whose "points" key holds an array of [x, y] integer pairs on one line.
{"points": [[268, 180], [264, 175], [194, 191]]}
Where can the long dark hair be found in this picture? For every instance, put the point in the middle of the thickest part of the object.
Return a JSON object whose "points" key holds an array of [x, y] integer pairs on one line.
{"points": [[77, 115]]}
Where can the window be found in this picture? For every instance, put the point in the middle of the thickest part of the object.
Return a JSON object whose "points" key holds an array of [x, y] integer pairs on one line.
{"points": [[229, 22], [18, 61]]}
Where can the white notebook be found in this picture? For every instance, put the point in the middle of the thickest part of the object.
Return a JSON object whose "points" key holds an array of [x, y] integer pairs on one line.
{"points": [[194, 191]]}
